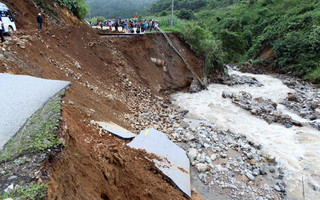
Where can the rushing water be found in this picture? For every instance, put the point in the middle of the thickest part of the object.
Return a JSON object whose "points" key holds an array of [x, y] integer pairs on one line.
{"points": [[297, 149]]}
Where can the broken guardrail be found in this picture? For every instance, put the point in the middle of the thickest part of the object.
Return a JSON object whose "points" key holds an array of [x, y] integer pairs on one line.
{"points": [[184, 60]]}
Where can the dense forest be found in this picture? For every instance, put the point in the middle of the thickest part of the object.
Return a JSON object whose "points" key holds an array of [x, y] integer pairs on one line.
{"points": [[281, 36], [118, 8]]}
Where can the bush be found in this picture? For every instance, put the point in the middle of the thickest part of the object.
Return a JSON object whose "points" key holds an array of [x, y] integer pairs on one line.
{"points": [[200, 40], [297, 52], [233, 45], [98, 18], [185, 14], [78, 7], [163, 13]]}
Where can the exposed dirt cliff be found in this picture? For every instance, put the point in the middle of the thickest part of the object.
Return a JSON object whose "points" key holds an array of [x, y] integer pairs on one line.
{"points": [[113, 80]]}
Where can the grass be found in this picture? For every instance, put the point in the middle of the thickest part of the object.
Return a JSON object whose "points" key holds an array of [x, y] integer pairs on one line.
{"points": [[38, 134], [289, 27], [201, 41], [27, 192], [313, 76]]}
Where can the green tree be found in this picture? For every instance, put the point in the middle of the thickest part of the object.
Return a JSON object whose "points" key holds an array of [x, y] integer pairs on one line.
{"points": [[185, 14]]}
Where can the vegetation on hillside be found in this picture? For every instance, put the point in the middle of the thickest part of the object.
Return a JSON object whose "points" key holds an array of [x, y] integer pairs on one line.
{"points": [[200, 40], [246, 29], [31, 191], [78, 7], [118, 8]]}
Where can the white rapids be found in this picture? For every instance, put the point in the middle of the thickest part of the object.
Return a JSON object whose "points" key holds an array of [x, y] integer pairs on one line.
{"points": [[297, 149]]}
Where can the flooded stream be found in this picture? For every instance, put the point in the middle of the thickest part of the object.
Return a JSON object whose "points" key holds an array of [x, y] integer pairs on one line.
{"points": [[297, 149]]}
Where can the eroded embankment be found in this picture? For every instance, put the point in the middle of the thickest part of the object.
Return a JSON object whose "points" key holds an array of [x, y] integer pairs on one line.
{"points": [[113, 79]]}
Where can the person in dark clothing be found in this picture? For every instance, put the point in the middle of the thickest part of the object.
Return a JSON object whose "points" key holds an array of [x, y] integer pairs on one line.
{"points": [[116, 25], [1, 29], [40, 21], [122, 25]]}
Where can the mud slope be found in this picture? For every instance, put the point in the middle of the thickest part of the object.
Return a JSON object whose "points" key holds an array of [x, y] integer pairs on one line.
{"points": [[113, 79], [27, 10]]}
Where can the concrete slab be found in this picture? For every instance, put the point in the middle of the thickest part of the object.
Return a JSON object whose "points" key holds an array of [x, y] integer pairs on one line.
{"points": [[20, 98], [173, 161], [117, 131]]}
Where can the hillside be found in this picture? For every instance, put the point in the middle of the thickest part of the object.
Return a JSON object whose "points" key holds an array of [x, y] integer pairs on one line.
{"points": [[118, 8], [275, 36], [113, 80]]}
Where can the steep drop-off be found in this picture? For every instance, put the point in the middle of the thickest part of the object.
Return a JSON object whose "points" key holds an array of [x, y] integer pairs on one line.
{"points": [[113, 79]]}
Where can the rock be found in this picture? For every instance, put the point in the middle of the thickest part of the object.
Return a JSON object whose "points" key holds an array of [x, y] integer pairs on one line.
{"points": [[9, 188], [201, 167], [268, 196], [250, 183], [21, 44], [250, 176], [208, 160], [223, 155], [110, 97], [277, 188], [12, 177], [219, 168], [293, 97], [202, 177], [192, 154], [246, 66], [282, 188], [158, 62], [271, 159], [296, 123], [206, 145], [194, 87], [232, 186], [213, 157], [201, 158], [184, 124], [77, 65], [165, 69], [256, 172], [2, 56]]}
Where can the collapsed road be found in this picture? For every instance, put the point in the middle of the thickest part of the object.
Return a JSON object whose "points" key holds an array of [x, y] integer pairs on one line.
{"points": [[113, 80], [120, 83]]}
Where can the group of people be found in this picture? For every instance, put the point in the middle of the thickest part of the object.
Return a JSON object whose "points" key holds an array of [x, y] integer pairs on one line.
{"points": [[130, 26]]}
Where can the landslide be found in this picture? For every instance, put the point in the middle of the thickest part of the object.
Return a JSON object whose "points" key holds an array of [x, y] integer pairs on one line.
{"points": [[113, 80]]}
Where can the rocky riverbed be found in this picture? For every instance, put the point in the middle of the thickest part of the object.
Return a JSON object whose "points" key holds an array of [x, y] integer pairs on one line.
{"points": [[227, 163], [305, 100], [229, 158], [277, 116]]}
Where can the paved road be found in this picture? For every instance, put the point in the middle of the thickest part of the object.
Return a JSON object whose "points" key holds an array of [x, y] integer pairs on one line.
{"points": [[20, 97]]}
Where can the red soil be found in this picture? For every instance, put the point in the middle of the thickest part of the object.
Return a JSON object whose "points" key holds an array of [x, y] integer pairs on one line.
{"points": [[93, 166]]}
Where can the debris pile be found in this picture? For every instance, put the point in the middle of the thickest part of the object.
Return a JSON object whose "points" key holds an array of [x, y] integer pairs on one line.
{"points": [[305, 101], [263, 108]]}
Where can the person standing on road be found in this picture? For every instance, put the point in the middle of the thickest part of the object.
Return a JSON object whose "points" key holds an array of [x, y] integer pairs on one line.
{"points": [[116, 25], [1, 30], [40, 21], [156, 24], [151, 24]]}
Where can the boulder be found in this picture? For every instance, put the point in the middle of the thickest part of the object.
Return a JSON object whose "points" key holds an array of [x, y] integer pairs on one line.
{"points": [[192, 154], [201, 167]]}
